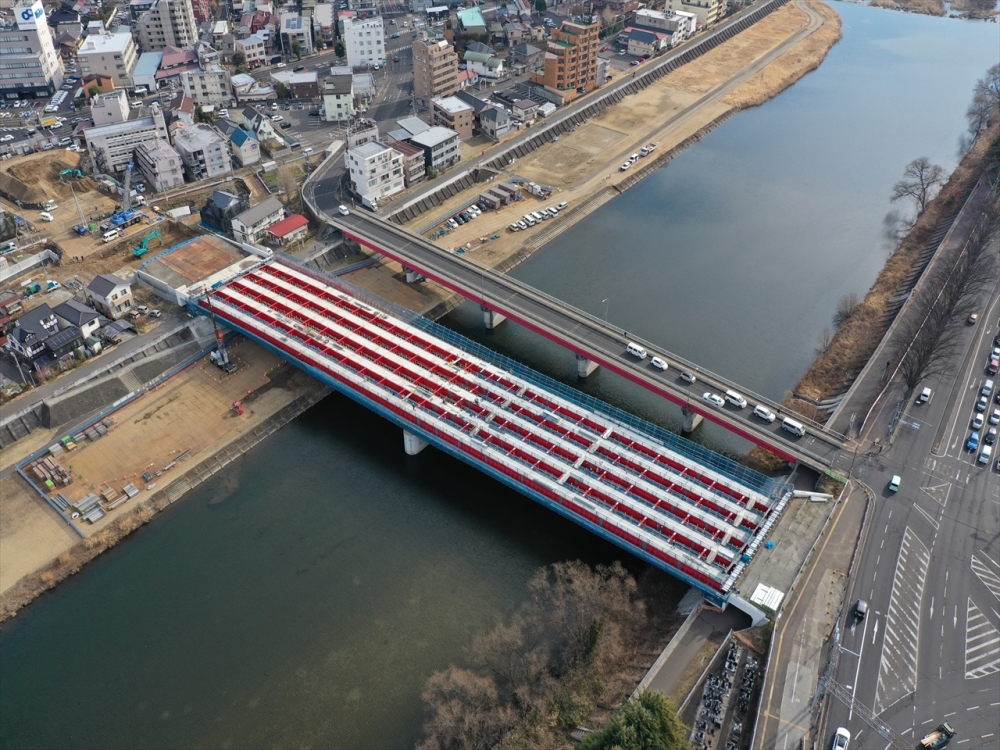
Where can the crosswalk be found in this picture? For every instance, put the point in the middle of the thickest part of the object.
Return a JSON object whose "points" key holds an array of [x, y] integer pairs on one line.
{"points": [[982, 645], [986, 574], [897, 673]]}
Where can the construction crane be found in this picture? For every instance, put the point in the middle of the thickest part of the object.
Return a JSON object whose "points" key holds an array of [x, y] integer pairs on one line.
{"points": [[81, 228], [141, 250], [126, 190]]}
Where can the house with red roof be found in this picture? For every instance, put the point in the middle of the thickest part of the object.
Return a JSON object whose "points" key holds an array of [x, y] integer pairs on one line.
{"points": [[289, 229]]}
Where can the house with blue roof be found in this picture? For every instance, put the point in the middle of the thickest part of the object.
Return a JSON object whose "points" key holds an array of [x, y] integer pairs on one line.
{"points": [[245, 147]]}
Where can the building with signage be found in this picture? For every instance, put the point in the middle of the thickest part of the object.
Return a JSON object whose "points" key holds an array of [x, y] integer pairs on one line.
{"points": [[31, 67]]}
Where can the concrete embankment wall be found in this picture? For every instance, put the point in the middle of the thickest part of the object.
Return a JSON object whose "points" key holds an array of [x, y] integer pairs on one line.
{"points": [[546, 132]]}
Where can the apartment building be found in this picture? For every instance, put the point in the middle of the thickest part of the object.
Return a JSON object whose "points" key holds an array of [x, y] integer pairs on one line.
{"points": [[376, 171], [111, 55], [365, 41], [435, 70], [295, 28], [168, 23], [254, 48], [338, 98], [160, 165], [203, 151], [29, 64], [451, 112], [440, 147], [570, 62], [113, 145], [414, 166], [209, 84], [107, 109], [678, 24], [363, 6], [707, 11]]}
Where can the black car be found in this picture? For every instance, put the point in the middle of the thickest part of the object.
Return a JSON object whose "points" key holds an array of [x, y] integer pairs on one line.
{"points": [[314, 113], [286, 125], [297, 68]]}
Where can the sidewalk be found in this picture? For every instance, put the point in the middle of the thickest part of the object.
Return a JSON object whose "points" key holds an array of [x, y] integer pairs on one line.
{"points": [[784, 718]]}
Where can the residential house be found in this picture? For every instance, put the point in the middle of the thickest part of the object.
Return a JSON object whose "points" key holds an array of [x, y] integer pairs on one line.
{"points": [[203, 151], [376, 171], [338, 98], [303, 85], [289, 229], [708, 12], [181, 108], [246, 88], [110, 294], [646, 43], [678, 25], [524, 110], [440, 147], [71, 314], [494, 123], [467, 79], [68, 43], [296, 29], [484, 64], [160, 165], [251, 225], [452, 112], [27, 338], [221, 209], [525, 54], [174, 62], [254, 48], [258, 123], [245, 147]]}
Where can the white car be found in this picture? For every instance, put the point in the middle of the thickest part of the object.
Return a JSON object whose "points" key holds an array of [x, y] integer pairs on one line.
{"points": [[281, 65], [995, 417], [977, 421], [841, 739], [688, 377], [561, 206], [714, 399], [764, 413], [658, 363], [276, 118], [626, 165], [6, 138], [343, 210]]}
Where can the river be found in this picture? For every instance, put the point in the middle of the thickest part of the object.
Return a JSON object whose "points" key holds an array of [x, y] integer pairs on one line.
{"points": [[304, 597]]}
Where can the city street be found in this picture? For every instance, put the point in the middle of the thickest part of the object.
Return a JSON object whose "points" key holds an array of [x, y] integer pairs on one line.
{"points": [[929, 649]]}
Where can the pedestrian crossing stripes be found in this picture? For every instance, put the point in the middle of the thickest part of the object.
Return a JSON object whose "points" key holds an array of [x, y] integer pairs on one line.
{"points": [[985, 574], [897, 673], [982, 645]]}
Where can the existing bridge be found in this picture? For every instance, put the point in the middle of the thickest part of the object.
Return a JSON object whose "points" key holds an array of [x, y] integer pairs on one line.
{"points": [[689, 511], [591, 339]]}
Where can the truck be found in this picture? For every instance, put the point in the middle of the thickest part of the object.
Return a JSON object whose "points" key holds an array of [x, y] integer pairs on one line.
{"points": [[939, 738]]}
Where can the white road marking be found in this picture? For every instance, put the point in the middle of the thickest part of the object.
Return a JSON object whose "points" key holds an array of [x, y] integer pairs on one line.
{"points": [[982, 645], [990, 579], [897, 675]]}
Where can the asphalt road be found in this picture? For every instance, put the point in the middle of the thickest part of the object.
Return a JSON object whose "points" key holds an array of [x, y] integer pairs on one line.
{"points": [[929, 649], [577, 331]]}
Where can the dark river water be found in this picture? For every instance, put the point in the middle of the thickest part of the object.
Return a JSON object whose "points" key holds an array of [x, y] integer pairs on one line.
{"points": [[305, 596]]}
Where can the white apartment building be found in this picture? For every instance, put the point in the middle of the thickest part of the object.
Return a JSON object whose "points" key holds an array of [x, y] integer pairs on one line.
{"points": [[209, 84], [365, 41], [203, 151], [678, 23], [338, 98], [254, 47], [168, 23], [295, 28], [113, 55], [109, 108], [376, 171], [708, 12], [29, 64], [160, 165], [113, 145]]}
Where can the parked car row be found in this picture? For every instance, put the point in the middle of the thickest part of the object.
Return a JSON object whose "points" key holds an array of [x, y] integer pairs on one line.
{"points": [[977, 441], [537, 217], [465, 216], [57, 101]]}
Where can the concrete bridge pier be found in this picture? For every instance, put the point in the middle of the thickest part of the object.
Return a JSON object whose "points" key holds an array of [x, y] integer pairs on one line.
{"points": [[413, 444], [691, 420], [491, 318], [412, 276], [584, 366]]}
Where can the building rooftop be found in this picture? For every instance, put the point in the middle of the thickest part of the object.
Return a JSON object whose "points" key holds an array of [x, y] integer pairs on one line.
{"points": [[369, 149], [338, 84], [408, 149], [175, 56], [149, 63], [290, 79], [452, 104], [413, 125], [434, 137], [242, 79], [241, 136], [197, 137], [263, 209], [292, 22], [105, 283], [288, 225], [107, 44], [155, 150], [199, 262], [471, 17], [120, 128], [525, 104]]}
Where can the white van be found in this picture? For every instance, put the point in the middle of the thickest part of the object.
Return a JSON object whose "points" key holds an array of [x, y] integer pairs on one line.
{"points": [[635, 350], [987, 388], [45, 216], [537, 216], [111, 234], [984, 455], [796, 428], [925, 396], [308, 151], [736, 399]]}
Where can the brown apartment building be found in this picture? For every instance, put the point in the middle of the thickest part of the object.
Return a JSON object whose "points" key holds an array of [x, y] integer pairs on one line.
{"points": [[569, 65], [435, 70]]}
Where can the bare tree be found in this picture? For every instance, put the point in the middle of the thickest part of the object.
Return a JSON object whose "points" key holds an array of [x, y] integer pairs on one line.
{"points": [[824, 340], [989, 85], [920, 182], [466, 712], [978, 113], [846, 307]]}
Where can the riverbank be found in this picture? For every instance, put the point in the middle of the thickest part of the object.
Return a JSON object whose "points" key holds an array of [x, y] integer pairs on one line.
{"points": [[185, 429]]}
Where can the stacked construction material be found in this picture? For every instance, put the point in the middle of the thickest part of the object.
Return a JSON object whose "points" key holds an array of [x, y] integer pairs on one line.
{"points": [[49, 472], [89, 508]]}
